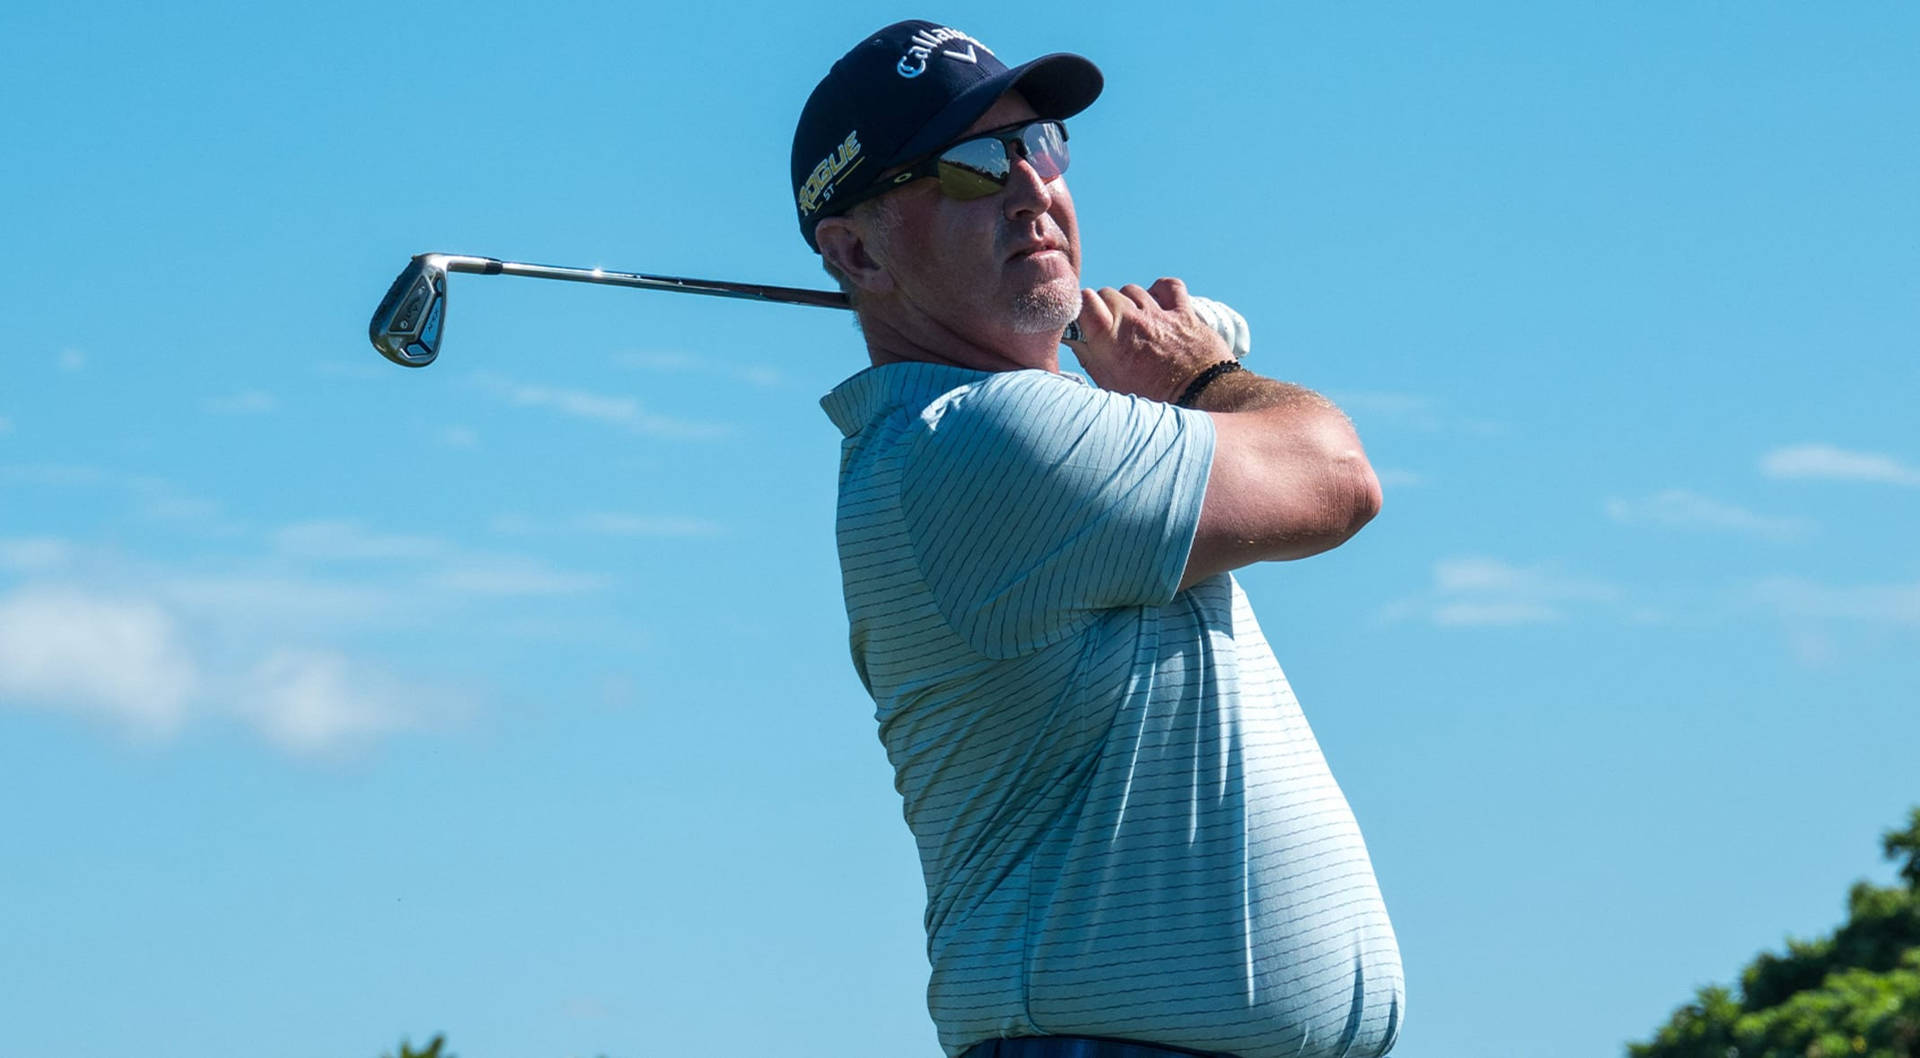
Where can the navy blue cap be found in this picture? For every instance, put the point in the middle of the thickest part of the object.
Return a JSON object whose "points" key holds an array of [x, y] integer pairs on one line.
{"points": [[903, 93]]}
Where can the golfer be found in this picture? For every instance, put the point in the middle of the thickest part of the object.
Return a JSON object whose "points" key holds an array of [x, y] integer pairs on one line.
{"points": [[1133, 847]]}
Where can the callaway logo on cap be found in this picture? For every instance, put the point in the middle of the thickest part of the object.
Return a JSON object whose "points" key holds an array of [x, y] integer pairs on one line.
{"points": [[903, 93], [924, 42]]}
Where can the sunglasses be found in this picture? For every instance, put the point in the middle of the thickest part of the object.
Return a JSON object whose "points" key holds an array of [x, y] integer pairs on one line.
{"points": [[981, 165]]}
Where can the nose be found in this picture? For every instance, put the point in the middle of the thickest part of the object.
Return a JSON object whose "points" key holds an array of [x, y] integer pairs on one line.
{"points": [[1027, 195]]}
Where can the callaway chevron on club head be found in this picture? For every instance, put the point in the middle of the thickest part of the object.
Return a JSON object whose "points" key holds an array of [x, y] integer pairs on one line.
{"points": [[408, 326]]}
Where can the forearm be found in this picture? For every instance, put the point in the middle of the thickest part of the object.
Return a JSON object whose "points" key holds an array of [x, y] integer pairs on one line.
{"points": [[1243, 390]]}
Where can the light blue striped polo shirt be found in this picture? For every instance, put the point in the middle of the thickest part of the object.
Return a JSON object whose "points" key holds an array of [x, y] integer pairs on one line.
{"points": [[1125, 824]]}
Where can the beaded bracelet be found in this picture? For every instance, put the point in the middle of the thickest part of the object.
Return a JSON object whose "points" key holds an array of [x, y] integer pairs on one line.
{"points": [[1205, 379]]}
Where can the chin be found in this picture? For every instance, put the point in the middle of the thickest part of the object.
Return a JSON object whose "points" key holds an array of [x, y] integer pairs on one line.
{"points": [[1048, 307]]}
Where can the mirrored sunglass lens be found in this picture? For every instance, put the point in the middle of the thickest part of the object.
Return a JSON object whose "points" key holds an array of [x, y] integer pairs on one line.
{"points": [[974, 169], [963, 184], [1046, 149], [978, 168]]}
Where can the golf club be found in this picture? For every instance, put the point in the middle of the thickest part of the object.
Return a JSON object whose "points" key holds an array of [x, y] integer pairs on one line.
{"points": [[412, 318]]}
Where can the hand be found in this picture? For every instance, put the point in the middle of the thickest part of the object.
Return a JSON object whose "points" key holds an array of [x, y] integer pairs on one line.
{"points": [[1147, 342]]}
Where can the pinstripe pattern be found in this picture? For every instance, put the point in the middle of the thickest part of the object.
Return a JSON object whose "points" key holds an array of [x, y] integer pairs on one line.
{"points": [[1125, 824]]}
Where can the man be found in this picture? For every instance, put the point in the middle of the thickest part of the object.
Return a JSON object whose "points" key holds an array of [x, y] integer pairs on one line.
{"points": [[1132, 844]]}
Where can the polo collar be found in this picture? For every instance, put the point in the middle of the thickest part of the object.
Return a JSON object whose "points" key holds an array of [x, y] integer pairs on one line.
{"points": [[872, 393]]}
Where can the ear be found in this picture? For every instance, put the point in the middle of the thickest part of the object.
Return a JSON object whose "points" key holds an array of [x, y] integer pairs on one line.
{"points": [[843, 242]]}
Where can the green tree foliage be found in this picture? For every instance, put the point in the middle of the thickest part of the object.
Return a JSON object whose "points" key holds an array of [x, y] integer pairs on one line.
{"points": [[1854, 993], [432, 1050], [1905, 844]]}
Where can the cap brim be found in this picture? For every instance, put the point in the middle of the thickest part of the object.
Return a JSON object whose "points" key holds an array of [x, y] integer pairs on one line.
{"points": [[1058, 86]]}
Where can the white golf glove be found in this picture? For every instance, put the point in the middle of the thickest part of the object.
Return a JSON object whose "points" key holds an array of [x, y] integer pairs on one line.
{"points": [[1227, 324]]}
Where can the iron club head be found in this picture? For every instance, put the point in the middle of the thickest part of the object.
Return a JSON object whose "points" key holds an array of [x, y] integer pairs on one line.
{"points": [[406, 328]]}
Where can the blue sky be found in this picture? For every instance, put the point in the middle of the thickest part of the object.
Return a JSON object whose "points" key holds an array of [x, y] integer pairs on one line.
{"points": [[510, 698]]}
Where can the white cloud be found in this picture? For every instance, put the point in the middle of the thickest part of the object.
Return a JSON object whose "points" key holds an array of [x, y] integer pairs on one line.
{"points": [[1391, 479], [1812, 647], [510, 575], [71, 360], [348, 540], [1410, 410], [159, 501], [279, 599], [1796, 597], [310, 701], [1826, 462], [159, 647], [152, 497], [245, 402], [1476, 590], [147, 665], [453, 568], [34, 554], [1514, 612], [1681, 509], [623, 412], [1491, 575], [121, 657]]}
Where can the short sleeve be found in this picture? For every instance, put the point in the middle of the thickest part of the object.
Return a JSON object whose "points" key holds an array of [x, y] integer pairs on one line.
{"points": [[1034, 501]]}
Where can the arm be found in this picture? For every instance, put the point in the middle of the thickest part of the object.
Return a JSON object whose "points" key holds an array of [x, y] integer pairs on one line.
{"points": [[1033, 503], [1289, 477]]}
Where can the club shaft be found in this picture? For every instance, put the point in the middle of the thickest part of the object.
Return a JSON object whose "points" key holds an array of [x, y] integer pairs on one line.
{"points": [[719, 288], [828, 299]]}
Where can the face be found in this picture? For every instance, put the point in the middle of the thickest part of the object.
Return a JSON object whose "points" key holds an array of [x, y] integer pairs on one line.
{"points": [[990, 268]]}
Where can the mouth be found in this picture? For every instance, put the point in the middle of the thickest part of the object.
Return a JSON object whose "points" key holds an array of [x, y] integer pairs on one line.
{"points": [[1034, 250]]}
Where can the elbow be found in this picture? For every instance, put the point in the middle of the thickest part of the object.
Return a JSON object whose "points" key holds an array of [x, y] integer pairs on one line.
{"points": [[1346, 497], [1350, 488], [1343, 499], [1366, 495], [1292, 494], [1353, 496]]}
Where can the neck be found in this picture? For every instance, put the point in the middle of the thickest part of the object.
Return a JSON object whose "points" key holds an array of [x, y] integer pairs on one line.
{"points": [[892, 338]]}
